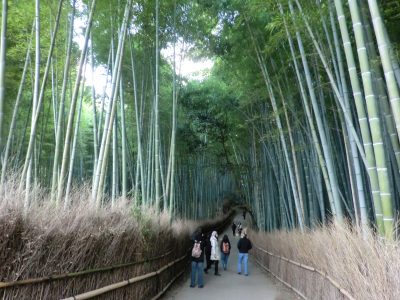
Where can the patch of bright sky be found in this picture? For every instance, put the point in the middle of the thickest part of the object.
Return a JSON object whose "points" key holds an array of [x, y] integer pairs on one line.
{"points": [[186, 66]]}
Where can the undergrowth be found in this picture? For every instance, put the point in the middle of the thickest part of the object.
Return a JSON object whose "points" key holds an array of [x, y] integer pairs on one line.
{"points": [[365, 265], [47, 239]]}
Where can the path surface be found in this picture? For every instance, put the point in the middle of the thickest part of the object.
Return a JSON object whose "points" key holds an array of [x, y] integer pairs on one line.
{"points": [[232, 286]]}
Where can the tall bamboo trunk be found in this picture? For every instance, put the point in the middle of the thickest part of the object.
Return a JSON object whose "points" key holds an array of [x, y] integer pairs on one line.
{"points": [[38, 93], [362, 115], [28, 161], [11, 132], [337, 208], [374, 121], [71, 115], [156, 116], [360, 194], [98, 183], [3, 64], [299, 212], [61, 109], [391, 83]]}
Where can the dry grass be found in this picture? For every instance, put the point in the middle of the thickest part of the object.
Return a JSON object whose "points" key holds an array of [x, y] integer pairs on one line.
{"points": [[367, 267], [46, 240]]}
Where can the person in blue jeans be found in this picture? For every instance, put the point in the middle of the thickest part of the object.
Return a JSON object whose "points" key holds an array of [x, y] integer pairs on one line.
{"points": [[225, 251], [197, 261], [244, 245]]}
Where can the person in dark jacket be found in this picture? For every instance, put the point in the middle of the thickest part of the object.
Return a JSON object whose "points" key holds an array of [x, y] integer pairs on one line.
{"points": [[233, 228], [197, 262], [244, 245], [225, 251], [207, 251]]}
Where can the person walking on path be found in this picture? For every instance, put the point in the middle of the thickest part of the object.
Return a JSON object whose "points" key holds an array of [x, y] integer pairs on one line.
{"points": [[239, 229], [225, 251], [233, 228], [244, 214], [215, 253], [207, 251], [197, 261], [244, 245]]}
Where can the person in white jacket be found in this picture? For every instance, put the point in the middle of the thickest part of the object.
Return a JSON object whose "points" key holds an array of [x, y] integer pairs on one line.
{"points": [[215, 252]]}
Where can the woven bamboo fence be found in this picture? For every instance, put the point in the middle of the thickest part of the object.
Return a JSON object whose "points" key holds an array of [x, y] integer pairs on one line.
{"points": [[146, 277], [307, 282]]}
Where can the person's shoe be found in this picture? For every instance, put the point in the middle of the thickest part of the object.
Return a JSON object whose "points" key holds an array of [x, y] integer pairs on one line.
{"points": [[246, 274], [217, 274], [201, 286], [206, 271], [239, 273], [192, 286]]}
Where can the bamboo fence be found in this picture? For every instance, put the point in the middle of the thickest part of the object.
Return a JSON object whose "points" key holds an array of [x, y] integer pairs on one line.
{"points": [[147, 278], [306, 285]]}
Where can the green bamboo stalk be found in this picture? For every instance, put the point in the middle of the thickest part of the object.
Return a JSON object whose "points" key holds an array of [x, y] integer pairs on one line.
{"points": [[71, 115], [362, 115], [391, 83], [374, 121], [98, 186], [360, 195], [279, 125], [61, 109], [4, 15], [12, 130], [156, 115], [123, 143]]}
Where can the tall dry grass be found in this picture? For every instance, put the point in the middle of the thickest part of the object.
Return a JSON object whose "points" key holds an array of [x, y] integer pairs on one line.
{"points": [[367, 267], [45, 240]]}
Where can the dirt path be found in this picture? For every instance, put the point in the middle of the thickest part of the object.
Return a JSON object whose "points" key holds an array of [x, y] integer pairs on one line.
{"points": [[232, 286]]}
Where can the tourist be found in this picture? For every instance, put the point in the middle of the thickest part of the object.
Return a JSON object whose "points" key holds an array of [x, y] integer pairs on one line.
{"points": [[197, 260], [215, 255], [244, 245], [233, 228], [207, 251], [239, 229], [225, 251]]}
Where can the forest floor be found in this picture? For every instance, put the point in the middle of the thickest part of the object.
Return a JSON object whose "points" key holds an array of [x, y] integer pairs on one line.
{"points": [[230, 285]]}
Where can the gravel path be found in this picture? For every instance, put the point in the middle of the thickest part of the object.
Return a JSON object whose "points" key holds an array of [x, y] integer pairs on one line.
{"points": [[232, 286]]}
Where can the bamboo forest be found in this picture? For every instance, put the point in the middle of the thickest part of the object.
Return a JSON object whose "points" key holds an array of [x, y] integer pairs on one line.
{"points": [[131, 129]]}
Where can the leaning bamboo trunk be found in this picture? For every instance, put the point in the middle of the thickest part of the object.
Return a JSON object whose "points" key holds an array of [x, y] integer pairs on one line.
{"points": [[307, 110], [267, 80], [71, 115], [61, 109], [38, 94], [337, 208], [98, 183], [11, 132]]}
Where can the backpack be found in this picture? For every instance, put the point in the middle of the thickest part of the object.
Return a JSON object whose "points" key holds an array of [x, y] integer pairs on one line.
{"points": [[225, 247], [196, 251]]}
